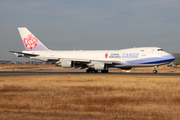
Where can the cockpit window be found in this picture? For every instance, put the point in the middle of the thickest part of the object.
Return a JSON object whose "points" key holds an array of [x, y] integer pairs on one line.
{"points": [[160, 50]]}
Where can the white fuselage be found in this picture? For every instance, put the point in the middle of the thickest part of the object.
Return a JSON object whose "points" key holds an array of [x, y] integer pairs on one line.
{"points": [[133, 57]]}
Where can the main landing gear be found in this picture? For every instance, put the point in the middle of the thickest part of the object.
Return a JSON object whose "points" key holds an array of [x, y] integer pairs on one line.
{"points": [[155, 69], [104, 71], [92, 70]]}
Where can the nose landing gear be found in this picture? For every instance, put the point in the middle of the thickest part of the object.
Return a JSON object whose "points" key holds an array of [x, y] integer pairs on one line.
{"points": [[155, 69]]}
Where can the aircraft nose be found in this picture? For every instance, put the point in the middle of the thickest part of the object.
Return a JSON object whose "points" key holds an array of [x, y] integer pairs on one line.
{"points": [[171, 57]]}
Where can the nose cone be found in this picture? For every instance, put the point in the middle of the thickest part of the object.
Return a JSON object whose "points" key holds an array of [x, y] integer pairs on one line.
{"points": [[170, 58]]}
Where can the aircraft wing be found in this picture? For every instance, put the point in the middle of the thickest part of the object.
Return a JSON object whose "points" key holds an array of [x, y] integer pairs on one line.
{"points": [[83, 63]]}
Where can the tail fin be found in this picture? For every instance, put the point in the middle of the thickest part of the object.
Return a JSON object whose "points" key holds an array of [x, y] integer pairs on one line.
{"points": [[30, 41]]}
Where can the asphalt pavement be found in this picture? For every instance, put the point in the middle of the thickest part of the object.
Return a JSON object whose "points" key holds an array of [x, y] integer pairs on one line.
{"points": [[77, 72]]}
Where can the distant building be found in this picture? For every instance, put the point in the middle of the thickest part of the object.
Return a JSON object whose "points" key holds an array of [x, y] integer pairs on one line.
{"points": [[19, 62], [5, 62]]}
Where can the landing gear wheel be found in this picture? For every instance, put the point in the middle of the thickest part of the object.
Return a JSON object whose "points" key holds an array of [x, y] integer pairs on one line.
{"points": [[154, 71], [89, 70], [95, 71], [104, 71]]}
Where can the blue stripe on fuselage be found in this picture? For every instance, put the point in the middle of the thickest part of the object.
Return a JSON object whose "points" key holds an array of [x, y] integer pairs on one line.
{"points": [[153, 60]]}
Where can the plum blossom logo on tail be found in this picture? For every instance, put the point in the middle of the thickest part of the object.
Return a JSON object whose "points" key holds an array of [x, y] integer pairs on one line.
{"points": [[106, 55], [30, 41]]}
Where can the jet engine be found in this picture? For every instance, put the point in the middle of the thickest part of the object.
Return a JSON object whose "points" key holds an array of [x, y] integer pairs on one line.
{"points": [[99, 66], [67, 64], [126, 68]]}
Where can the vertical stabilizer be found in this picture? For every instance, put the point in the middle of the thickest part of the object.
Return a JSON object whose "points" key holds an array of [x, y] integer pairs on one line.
{"points": [[30, 41]]}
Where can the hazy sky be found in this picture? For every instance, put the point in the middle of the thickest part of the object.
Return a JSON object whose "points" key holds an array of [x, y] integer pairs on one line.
{"points": [[91, 24]]}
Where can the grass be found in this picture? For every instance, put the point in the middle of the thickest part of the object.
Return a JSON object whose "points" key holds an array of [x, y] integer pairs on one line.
{"points": [[89, 97]]}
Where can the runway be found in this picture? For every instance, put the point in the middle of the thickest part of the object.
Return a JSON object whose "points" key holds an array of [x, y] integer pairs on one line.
{"points": [[77, 72]]}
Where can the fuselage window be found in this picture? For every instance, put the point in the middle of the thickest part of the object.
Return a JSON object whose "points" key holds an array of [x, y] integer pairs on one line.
{"points": [[160, 50]]}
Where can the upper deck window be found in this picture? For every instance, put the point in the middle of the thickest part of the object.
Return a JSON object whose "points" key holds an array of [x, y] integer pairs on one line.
{"points": [[160, 50]]}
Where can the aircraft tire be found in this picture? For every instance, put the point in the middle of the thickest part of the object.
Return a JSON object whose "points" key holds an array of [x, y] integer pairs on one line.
{"points": [[91, 71], [95, 71], [88, 71], [104, 71], [154, 71]]}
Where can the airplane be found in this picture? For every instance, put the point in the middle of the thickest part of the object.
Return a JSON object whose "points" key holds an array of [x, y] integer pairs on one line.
{"points": [[93, 60]]}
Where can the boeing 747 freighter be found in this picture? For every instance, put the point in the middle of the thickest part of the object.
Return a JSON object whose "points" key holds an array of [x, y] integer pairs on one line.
{"points": [[93, 60]]}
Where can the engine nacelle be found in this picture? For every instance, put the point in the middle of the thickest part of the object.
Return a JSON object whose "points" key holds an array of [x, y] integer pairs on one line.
{"points": [[99, 66], [126, 68], [67, 64]]}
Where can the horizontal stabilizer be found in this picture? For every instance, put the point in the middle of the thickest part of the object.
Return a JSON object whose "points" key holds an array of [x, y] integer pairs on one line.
{"points": [[25, 54]]}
